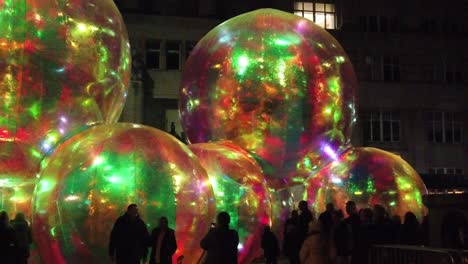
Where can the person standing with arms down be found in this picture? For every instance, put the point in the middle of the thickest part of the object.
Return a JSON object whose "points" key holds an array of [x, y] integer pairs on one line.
{"points": [[270, 246], [8, 242], [163, 243], [23, 237], [129, 238], [305, 217], [292, 238], [221, 242]]}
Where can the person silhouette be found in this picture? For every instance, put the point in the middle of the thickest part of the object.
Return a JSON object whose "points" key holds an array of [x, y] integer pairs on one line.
{"points": [[163, 243], [270, 246], [129, 238], [220, 243], [8, 240], [23, 237]]}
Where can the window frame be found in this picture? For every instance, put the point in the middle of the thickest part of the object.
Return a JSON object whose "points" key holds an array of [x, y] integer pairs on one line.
{"points": [[177, 51], [155, 51], [379, 117], [300, 10], [446, 118]]}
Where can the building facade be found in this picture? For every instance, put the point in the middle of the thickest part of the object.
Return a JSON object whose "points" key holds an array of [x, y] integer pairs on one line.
{"points": [[410, 57]]}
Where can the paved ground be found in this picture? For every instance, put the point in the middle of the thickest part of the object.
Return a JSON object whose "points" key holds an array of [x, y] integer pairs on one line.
{"points": [[280, 261]]}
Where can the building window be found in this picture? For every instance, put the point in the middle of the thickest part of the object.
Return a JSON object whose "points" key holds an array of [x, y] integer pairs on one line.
{"points": [[383, 68], [381, 126], [444, 127], [442, 170], [448, 73], [173, 55], [321, 13], [391, 69], [430, 25], [153, 52], [378, 24]]}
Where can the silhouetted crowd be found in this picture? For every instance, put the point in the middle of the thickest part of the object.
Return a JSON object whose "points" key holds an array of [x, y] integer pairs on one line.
{"points": [[334, 239], [330, 239], [15, 239]]}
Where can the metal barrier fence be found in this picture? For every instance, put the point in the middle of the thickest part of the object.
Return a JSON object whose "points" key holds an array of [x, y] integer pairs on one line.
{"points": [[398, 254]]}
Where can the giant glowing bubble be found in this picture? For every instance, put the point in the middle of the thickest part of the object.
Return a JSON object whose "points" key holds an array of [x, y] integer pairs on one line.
{"points": [[368, 176], [240, 189], [284, 201], [64, 65], [91, 178], [273, 83], [18, 170]]}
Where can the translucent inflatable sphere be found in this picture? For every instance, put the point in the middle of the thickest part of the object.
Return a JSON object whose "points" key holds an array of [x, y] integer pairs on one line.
{"points": [[64, 65], [90, 180], [273, 83], [284, 201], [239, 189], [368, 176], [18, 172]]}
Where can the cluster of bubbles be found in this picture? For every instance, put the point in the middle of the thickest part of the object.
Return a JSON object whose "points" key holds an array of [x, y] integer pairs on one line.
{"points": [[267, 100]]}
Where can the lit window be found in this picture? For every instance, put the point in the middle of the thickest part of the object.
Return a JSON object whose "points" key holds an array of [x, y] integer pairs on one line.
{"points": [[381, 126], [321, 13], [444, 127], [153, 51]]}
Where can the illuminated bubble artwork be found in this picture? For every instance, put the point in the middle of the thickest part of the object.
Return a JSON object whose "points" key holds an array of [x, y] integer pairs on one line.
{"points": [[273, 83], [64, 65], [368, 176], [17, 178], [240, 189], [284, 201], [92, 177]]}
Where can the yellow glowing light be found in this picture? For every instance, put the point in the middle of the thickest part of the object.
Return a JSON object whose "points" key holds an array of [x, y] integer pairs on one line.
{"points": [[70, 198]]}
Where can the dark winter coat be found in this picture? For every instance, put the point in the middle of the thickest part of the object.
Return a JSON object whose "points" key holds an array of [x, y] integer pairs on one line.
{"points": [[221, 246], [168, 246], [129, 240], [270, 245], [23, 237], [8, 245]]}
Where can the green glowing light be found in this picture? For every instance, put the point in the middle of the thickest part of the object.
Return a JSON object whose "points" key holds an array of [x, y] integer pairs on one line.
{"points": [[114, 179], [35, 110], [282, 42], [339, 59], [36, 153], [334, 84]]}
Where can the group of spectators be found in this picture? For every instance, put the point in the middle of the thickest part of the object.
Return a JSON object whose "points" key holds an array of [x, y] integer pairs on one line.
{"points": [[336, 239], [130, 241], [330, 239]]}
